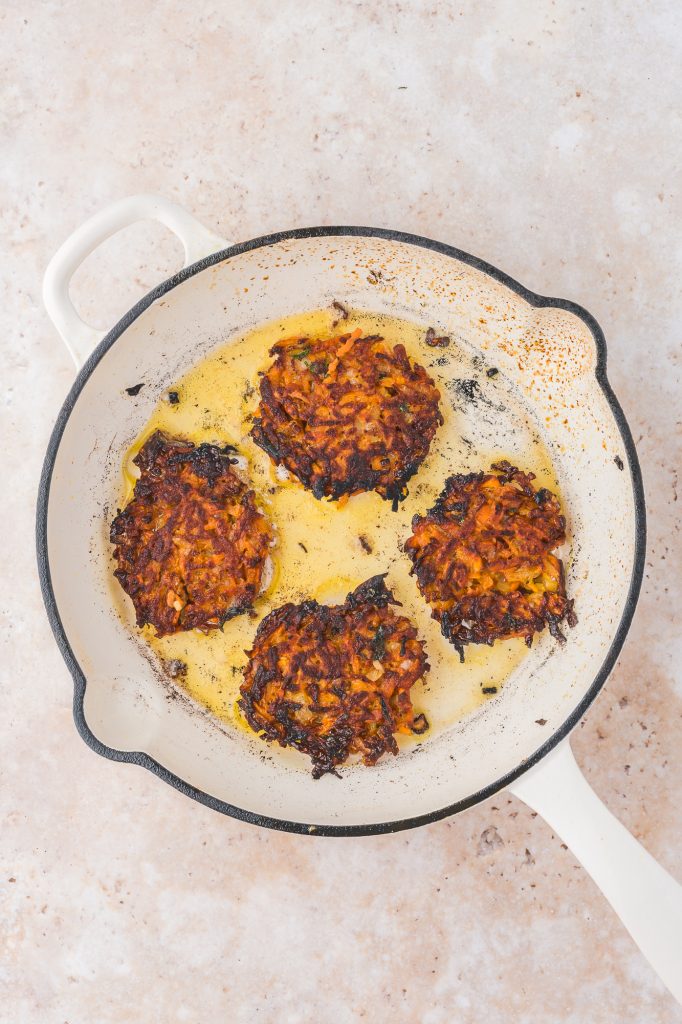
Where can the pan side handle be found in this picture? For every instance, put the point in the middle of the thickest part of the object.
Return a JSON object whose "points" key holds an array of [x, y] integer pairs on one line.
{"points": [[80, 338], [645, 897]]}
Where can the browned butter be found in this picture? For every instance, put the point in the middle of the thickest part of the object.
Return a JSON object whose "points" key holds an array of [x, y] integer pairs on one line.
{"points": [[324, 550]]}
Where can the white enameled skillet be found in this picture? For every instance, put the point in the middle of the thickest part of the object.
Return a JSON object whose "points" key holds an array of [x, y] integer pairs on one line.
{"points": [[551, 351]]}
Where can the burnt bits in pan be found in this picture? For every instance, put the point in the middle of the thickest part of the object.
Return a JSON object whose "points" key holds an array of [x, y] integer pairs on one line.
{"points": [[191, 545], [483, 558], [347, 414], [333, 681]]}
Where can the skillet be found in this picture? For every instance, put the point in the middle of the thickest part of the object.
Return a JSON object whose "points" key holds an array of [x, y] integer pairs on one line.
{"points": [[551, 353]]}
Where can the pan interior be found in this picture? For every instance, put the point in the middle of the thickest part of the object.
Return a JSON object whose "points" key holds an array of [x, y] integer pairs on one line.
{"points": [[544, 410], [324, 550]]}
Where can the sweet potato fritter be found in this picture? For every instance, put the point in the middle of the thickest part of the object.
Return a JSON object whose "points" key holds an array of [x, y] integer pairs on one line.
{"points": [[335, 680], [483, 558], [191, 545], [347, 414]]}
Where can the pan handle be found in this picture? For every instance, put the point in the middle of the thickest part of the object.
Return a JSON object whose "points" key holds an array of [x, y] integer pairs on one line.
{"points": [[80, 338], [645, 897]]}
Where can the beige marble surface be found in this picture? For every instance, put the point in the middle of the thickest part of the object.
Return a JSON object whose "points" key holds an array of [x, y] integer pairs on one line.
{"points": [[541, 136]]}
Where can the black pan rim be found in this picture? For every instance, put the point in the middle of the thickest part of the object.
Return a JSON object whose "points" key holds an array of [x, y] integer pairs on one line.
{"points": [[283, 825]]}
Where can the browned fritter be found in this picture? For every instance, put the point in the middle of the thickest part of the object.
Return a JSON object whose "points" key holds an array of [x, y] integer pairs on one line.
{"points": [[483, 558], [191, 544], [335, 680], [347, 414]]}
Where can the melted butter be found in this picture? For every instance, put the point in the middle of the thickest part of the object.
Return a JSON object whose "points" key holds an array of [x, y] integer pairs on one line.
{"points": [[319, 551]]}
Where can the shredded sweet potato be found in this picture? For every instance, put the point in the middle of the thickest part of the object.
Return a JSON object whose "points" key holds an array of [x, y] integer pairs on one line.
{"points": [[347, 414], [191, 545], [483, 558], [333, 681]]}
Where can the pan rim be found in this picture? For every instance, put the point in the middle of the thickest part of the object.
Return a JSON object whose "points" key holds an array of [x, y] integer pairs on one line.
{"points": [[79, 679]]}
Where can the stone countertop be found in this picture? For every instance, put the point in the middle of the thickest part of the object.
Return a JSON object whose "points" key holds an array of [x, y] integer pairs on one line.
{"points": [[544, 137]]}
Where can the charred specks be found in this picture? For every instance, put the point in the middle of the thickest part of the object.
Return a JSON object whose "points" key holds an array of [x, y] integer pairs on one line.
{"points": [[374, 276], [173, 398], [243, 608], [459, 510], [373, 591], [489, 689], [469, 390], [541, 721], [302, 545], [175, 668], [420, 724], [207, 460], [365, 544], [619, 462], [435, 341], [134, 390], [270, 447], [379, 642], [492, 372], [342, 310]]}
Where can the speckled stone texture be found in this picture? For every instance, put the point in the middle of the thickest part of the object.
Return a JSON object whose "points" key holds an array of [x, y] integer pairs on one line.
{"points": [[543, 137]]}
